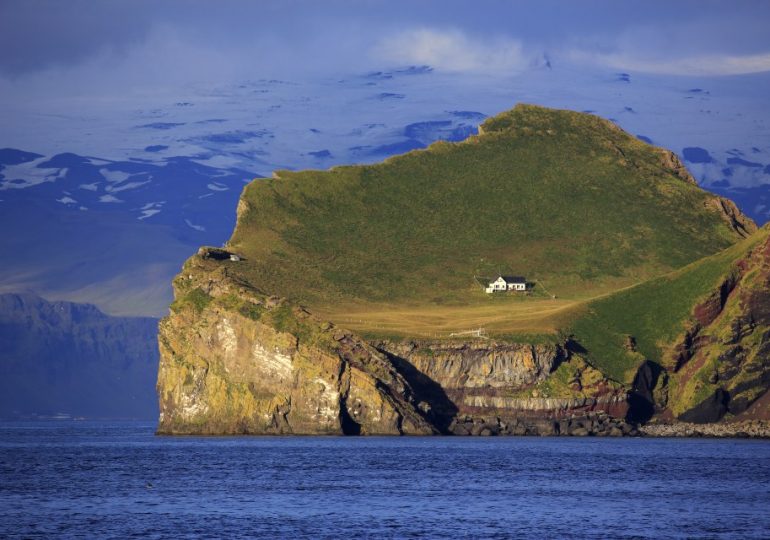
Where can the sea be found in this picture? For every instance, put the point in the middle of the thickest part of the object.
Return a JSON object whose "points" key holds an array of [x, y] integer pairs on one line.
{"points": [[71, 479]]}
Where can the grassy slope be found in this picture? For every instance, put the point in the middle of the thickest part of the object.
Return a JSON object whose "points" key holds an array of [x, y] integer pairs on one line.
{"points": [[565, 198], [655, 312]]}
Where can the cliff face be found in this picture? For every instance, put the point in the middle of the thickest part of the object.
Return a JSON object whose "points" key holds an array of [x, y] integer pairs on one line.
{"points": [[409, 233], [501, 388], [720, 366], [235, 361]]}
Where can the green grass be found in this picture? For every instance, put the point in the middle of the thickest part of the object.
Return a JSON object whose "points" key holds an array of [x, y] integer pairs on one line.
{"points": [[655, 312], [557, 196], [196, 298]]}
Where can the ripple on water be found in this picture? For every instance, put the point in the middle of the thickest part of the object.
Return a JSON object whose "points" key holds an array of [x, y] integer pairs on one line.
{"points": [[102, 480]]}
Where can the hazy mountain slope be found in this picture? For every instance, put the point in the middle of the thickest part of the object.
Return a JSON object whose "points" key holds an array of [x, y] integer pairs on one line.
{"points": [[71, 358], [112, 233]]}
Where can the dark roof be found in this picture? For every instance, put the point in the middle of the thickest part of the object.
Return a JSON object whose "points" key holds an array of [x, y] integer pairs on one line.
{"points": [[514, 279]]}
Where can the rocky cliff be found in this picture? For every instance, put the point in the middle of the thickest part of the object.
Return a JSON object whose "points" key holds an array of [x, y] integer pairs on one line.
{"points": [[563, 196], [236, 361], [490, 387], [720, 366]]}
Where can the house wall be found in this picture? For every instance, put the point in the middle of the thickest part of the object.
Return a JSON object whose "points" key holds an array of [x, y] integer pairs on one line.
{"points": [[517, 287], [501, 285]]}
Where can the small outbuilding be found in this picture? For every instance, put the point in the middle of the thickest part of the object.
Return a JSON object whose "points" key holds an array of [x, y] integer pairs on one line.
{"points": [[507, 283]]}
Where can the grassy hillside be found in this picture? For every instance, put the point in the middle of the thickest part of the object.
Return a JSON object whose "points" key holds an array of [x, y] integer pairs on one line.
{"points": [[566, 199], [654, 313]]}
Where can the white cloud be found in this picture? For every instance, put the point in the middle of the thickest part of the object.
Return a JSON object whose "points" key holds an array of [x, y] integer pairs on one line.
{"points": [[706, 65], [452, 50]]}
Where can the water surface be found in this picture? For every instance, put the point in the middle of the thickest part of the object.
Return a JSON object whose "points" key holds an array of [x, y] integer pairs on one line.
{"points": [[76, 479]]}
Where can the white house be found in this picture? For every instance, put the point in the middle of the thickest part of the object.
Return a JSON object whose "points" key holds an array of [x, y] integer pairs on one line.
{"points": [[507, 283]]}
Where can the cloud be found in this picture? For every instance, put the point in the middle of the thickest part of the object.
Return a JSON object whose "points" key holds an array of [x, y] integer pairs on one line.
{"points": [[452, 50], [37, 34], [704, 65]]}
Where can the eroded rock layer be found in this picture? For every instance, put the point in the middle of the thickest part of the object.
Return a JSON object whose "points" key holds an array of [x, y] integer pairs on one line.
{"points": [[235, 361], [488, 387], [721, 363]]}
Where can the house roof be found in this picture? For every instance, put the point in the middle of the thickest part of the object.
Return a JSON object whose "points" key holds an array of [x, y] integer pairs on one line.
{"points": [[514, 279]]}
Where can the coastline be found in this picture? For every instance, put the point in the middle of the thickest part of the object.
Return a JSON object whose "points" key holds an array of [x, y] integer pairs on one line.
{"points": [[747, 429]]}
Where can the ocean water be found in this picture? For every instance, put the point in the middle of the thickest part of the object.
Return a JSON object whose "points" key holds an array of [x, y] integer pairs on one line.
{"points": [[118, 480]]}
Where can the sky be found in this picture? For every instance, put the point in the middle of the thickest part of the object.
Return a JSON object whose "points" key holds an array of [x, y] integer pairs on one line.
{"points": [[84, 46]]}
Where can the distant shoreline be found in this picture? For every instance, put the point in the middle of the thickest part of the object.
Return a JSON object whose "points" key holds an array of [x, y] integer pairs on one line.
{"points": [[754, 429]]}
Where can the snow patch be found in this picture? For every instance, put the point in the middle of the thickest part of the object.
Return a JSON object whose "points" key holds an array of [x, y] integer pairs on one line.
{"points": [[24, 175], [193, 226], [150, 209], [126, 186], [148, 213], [116, 177], [97, 161]]}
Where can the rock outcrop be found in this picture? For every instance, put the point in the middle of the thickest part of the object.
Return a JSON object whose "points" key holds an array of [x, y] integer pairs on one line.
{"points": [[234, 361], [745, 429], [721, 364], [505, 388]]}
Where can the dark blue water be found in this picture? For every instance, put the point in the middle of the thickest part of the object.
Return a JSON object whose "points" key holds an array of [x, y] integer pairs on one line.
{"points": [[119, 480]]}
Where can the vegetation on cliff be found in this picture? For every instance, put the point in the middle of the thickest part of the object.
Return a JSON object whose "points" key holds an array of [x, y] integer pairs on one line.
{"points": [[652, 314], [236, 361], [705, 328]]}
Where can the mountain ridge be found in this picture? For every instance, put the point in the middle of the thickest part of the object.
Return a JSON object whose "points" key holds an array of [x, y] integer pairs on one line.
{"points": [[67, 358]]}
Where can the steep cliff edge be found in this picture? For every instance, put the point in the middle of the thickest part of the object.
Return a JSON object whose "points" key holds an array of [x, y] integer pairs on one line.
{"points": [[694, 345], [721, 363], [492, 387], [235, 361]]}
